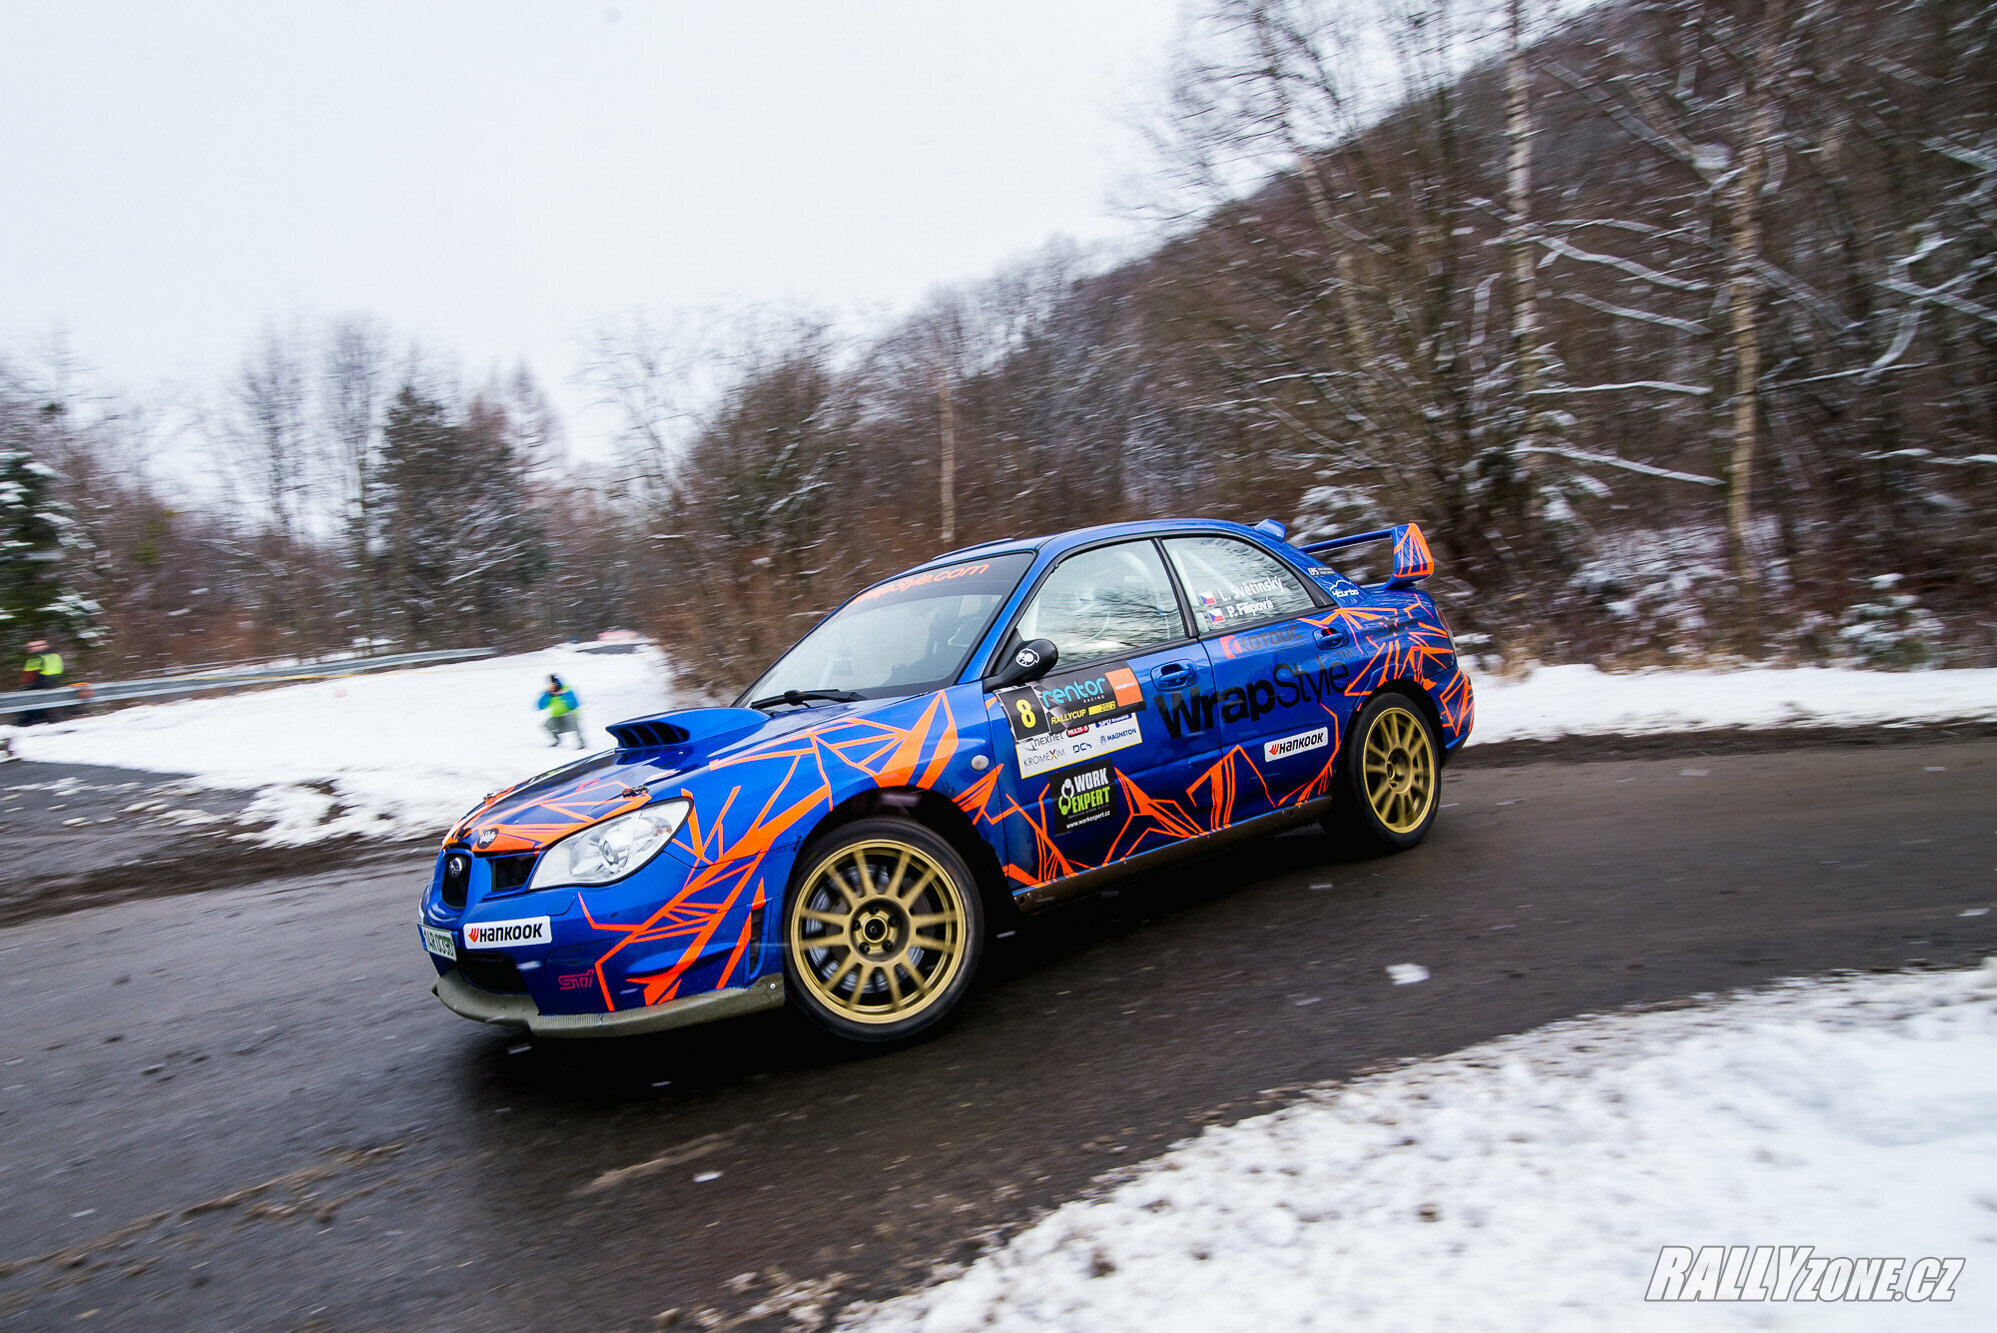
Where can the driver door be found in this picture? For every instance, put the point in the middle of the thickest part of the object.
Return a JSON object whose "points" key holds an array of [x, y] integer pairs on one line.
{"points": [[1088, 753]]}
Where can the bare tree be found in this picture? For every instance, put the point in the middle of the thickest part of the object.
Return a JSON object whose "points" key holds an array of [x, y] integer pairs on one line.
{"points": [[354, 392]]}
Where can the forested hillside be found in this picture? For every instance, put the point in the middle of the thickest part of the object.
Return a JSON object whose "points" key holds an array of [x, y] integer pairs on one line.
{"points": [[1674, 323]]}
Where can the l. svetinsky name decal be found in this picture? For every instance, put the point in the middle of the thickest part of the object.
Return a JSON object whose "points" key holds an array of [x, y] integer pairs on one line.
{"points": [[508, 934]]}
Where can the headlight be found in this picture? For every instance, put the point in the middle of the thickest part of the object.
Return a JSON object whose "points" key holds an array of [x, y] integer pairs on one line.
{"points": [[610, 850]]}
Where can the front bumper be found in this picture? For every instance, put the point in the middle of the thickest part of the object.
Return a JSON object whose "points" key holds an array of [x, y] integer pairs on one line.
{"points": [[516, 1011]]}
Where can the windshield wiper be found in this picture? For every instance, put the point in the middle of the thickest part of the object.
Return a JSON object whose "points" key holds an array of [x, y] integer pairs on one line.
{"points": [[799, 698]]}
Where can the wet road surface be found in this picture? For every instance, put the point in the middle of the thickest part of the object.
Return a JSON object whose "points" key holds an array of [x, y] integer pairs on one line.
{"points": [[243, 1109]]}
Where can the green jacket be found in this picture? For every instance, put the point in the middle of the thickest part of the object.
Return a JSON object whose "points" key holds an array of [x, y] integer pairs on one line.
{"points": [[45, 664]]}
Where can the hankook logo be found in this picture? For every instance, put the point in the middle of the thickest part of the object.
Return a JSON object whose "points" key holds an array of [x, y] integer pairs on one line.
{"points": [[508, 934]]}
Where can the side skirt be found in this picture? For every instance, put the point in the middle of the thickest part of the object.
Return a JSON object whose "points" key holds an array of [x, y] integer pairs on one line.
{"points": [[1090, 881]]}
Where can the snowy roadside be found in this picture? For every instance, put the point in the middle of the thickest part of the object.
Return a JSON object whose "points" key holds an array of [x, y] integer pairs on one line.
{"points": [[402, 754], [1558, 701], [1530, 1182], [399, 754]]}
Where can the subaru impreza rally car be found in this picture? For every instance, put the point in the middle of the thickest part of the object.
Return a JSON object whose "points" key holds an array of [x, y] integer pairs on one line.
{"points": [[996, 730]]}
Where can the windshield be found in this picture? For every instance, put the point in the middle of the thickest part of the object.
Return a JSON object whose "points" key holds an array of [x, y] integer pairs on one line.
{"points": [[904, 636]]}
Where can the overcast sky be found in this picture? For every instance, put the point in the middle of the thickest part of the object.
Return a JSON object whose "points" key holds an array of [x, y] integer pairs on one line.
{"points": [[492, 176]]}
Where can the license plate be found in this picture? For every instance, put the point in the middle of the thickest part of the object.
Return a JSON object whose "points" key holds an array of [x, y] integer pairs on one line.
{"points": [[440, 942]]}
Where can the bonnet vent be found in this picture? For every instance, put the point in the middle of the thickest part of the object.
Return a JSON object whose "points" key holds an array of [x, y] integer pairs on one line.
{"points": [[647, 735]]}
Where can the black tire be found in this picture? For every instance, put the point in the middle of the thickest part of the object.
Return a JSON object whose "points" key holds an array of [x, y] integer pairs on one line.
{"points": [[869, 954], [1389, 782]]}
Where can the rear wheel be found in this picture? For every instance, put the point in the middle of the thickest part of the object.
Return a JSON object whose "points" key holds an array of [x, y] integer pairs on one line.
{"points": [[883, 930], [1389, 783]]}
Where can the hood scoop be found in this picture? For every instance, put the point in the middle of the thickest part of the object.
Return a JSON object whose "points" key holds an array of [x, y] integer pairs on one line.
{"points": [[692, 725], [647, 734]]}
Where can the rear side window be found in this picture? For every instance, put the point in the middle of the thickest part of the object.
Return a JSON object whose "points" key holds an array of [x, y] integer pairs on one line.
{"points": [[1112, 601], [1231, 583]]}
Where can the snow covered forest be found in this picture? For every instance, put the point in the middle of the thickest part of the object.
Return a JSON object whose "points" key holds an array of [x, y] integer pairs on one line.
{"points": [[1674, 322]]}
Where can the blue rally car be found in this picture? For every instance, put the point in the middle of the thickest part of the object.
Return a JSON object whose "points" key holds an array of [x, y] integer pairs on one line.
{"points": [[1003, 727]]}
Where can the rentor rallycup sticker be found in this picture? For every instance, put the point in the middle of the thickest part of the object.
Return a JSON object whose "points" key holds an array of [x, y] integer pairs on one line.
{"points": [[508, 934], [1297, 744], [1072, 699], [1039, 754]]}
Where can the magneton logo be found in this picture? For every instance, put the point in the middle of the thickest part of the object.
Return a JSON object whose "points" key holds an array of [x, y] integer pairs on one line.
{"points": [[508, 934], [1027, 658], [1297, 744], [1071, 700], [1041, 754], [456, 866], [1083, 797]]}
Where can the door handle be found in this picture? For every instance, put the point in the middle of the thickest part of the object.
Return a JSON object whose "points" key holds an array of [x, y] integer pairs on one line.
{"points": [[1173, 676], [1331, 636]]}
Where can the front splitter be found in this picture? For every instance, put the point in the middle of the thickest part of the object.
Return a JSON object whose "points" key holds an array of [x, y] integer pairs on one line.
{"points": [[518, 1011]]}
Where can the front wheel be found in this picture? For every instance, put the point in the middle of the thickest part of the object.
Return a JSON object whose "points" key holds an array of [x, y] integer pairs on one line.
{"points": [[882, 931], [1389, 783]]}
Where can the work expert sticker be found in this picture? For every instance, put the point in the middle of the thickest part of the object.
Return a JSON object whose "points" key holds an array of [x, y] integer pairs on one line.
{"points": [[1041, 754], [508, 934], [1083, 797], [1297, 744], [1074, 699]]}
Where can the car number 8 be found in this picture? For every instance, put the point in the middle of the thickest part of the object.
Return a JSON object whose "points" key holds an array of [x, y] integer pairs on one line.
{"points": [[1027, 717]]}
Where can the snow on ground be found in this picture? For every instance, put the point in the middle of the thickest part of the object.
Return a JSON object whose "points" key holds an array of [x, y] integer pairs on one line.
{"points": [[404, 753], [400, 753], [1582, 701], [1530, 1182]]}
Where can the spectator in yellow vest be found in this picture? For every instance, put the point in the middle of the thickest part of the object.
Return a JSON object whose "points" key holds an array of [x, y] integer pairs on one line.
{"points": [[43, 671], [559, 701]]}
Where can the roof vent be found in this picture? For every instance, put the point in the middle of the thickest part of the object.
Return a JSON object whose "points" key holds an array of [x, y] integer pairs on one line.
{"points": [[1273, 528]]}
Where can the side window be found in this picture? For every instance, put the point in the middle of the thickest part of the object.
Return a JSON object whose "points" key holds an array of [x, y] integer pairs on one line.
{"points": [[1112, 601], [1231, 583]]}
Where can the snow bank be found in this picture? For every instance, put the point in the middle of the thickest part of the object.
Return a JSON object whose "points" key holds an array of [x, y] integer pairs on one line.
{"points": [[1582, 701], [402, 753], [1529, 1182]]}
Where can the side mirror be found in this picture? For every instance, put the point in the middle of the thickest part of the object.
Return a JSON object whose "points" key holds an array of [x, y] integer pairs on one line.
{"points": [[1030, 661]]}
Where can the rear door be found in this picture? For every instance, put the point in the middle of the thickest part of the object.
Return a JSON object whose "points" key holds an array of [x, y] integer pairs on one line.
{"points": [[1095, 772], [1280, 671]]}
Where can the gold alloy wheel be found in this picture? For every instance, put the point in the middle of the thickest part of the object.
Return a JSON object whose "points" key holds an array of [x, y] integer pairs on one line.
{"points": [[1400, 769], [878, 931]]}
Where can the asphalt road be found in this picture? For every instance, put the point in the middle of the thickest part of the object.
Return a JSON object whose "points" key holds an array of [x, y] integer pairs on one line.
{"points": [[243, 1109]]}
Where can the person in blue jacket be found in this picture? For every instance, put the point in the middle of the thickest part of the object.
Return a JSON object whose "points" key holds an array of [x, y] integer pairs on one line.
{"points": [[559, 702]]}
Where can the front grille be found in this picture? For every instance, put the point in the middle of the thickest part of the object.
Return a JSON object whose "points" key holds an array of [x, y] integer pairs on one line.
{"points": [[457, 878], [509, 872], [491, 971]]}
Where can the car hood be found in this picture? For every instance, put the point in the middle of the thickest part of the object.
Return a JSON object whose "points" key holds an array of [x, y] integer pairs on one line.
{"points": [[652, 752]]}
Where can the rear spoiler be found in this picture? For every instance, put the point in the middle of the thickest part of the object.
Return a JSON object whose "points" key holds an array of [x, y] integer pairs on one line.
{"points": [[1412, 561]]}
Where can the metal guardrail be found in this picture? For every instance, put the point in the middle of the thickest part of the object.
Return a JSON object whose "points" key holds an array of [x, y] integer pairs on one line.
{"points": [[32, 701]]}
